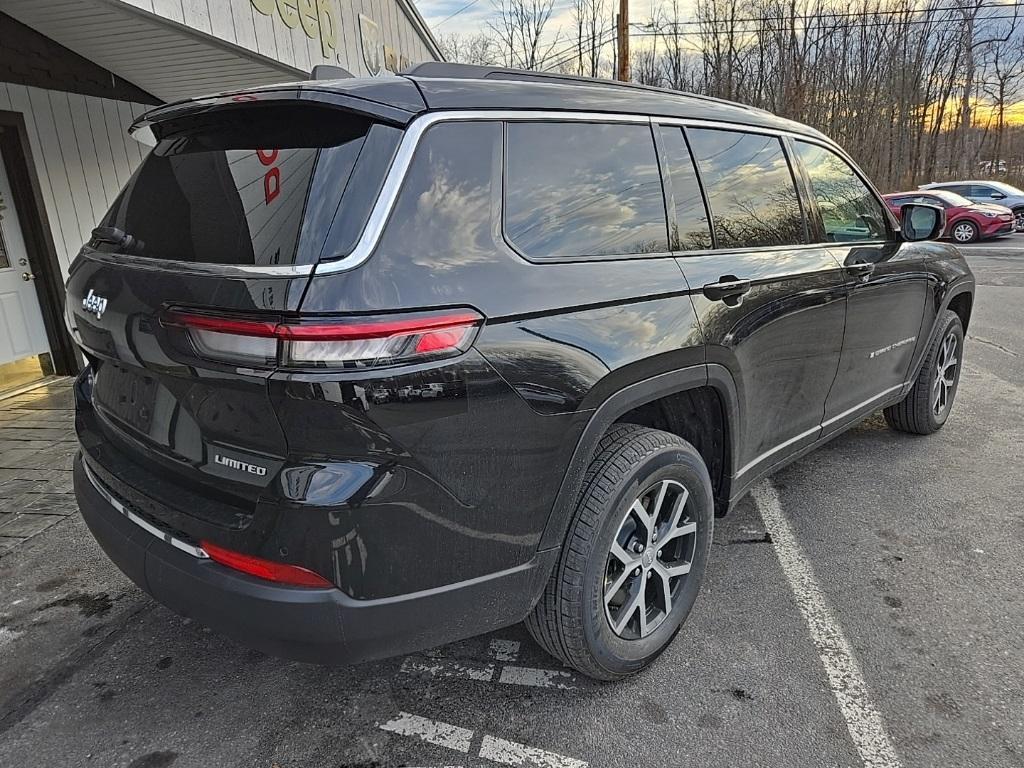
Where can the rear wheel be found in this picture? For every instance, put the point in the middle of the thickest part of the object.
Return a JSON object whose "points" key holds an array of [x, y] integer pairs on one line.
{"points": [[927, 406], [965, 232], [634, 556]]}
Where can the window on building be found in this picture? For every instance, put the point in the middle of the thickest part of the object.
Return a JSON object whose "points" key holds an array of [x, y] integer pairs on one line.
{"points": [[750, 188], [849, 210], [583, 189], [690, 231]]}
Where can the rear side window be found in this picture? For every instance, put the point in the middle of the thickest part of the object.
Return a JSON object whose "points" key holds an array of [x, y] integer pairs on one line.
{"points": [[750, 188], [259, 186], [689, 230], [443, 215], [583, 189], [849, 210]]}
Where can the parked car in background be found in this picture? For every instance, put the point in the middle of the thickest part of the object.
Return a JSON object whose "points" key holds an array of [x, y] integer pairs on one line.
{"points": [[986, 192], [966, 221]]}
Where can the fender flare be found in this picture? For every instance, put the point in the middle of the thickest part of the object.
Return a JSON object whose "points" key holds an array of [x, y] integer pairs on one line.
{"points": [[623, 401], [957, 288]]}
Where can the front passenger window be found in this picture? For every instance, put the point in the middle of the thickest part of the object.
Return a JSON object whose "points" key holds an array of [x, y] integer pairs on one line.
{"points": [[849, 210]]}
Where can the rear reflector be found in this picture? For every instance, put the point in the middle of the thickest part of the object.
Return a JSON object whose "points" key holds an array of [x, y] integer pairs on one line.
{"points": [[282, 573], [360, 342]]}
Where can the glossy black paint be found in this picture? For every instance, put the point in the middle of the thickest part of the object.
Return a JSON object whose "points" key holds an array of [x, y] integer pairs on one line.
{"points": [[442, 475]]}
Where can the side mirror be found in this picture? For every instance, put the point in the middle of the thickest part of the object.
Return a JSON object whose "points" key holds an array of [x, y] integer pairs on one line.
{"points": [[920, 221], [997, 196]]}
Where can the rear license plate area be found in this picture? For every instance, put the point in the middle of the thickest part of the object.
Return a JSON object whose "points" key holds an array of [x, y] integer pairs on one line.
{"points": [[127, 395]]}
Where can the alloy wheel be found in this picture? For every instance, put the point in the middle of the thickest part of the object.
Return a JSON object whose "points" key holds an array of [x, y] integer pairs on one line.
{"points": [[963, 233], [1018, 220], [945, 374], [649, 560]]}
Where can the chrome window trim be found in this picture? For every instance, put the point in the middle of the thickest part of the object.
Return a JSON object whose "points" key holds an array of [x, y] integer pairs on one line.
{"points": [[388, 195], [189, 549], [199, 268], [406, 150]]}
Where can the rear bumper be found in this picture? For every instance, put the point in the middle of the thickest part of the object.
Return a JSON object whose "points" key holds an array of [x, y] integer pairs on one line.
{"points": [[313, 625]]}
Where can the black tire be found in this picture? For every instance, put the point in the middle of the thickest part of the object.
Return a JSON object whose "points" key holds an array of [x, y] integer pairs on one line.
{"points": [[1018, 219], [970, 230], [919, 413], [572, 621]]}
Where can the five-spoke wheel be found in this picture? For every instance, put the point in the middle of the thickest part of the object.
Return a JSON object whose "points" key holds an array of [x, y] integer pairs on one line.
{"points": [[945, 374]]}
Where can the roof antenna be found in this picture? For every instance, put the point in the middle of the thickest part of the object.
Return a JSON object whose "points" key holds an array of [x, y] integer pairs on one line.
{"points": [[329, 72]]}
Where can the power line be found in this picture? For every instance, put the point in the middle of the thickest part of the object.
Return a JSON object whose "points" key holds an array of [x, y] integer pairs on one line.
{"points": [[600, 40], [763, 29], [466, 7], [851, 14]]}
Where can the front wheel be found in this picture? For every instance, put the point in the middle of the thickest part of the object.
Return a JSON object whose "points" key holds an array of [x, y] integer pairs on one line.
{"points": [[927, 406], [965, 232], [1018, 219], [634, 556]]}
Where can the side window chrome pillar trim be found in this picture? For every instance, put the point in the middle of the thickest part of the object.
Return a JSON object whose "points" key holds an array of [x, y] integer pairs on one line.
{"points": [[420, 125]]}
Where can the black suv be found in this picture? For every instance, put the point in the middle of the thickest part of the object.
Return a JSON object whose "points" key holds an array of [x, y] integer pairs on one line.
{"points": [[375, 365]]}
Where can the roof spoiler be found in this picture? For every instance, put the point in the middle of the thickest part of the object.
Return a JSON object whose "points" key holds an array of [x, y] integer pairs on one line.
{"points": [[142, 129]]}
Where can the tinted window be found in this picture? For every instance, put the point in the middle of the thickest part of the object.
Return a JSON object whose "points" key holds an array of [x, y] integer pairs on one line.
{"points": [[235, 191], [583, 189], [980, 190], [750, 188], [960, 189], [849, 210], [690, 231], [442, 217]]}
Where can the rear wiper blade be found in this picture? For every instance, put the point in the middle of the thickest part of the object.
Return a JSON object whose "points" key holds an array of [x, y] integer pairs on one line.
{"points": [[118, 237]]}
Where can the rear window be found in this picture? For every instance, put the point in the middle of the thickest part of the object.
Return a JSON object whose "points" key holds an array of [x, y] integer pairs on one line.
{"points": [[262, 187]]}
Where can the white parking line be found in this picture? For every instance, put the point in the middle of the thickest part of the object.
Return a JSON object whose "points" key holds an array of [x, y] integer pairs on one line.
{"points": [[514, 753], [447, 668], [848, 686], [491, 747], [504, 650], [538, 678], [442, 734]]}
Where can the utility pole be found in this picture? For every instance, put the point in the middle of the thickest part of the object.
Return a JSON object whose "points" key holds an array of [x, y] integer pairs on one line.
{"points": [[622, 57]]}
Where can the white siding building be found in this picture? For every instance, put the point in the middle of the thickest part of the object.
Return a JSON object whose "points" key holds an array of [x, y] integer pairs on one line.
{"points": [[74, 75]]}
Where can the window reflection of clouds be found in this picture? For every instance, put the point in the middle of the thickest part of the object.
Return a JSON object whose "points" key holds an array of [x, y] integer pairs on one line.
{"points": [[691, 231], [583, 190], [750, 188], [848, 208], [442, 218]]}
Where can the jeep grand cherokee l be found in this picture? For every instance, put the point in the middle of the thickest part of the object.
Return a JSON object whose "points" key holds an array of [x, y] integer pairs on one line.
{"points": [[627, 306]]}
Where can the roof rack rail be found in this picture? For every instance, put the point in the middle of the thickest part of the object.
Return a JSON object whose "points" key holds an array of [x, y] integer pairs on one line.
{"points": [[443, 69]]}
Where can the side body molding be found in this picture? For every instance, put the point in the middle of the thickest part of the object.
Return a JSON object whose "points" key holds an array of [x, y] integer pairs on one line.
{"points": [[623, 401]]}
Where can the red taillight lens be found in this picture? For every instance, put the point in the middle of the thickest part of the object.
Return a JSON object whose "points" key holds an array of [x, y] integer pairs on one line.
{"points": [[282, 573], [326, 343]]}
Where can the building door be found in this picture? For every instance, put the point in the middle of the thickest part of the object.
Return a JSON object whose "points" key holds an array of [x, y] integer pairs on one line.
{"points": [[24, 348]]}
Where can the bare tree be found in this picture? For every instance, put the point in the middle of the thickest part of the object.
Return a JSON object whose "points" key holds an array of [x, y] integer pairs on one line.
{"points": [[519, 27]]}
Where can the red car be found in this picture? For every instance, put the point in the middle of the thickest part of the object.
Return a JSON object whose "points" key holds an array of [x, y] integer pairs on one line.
{"points": [[966, 221]]}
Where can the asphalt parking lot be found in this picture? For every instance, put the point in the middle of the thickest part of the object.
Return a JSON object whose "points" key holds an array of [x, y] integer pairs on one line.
{"points": [[863, 607]]}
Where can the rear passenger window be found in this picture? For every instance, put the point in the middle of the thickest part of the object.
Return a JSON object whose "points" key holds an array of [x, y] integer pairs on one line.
{"points": [[583, 189], [849, 210], [442, 216], [690, 230], [750, 188]]}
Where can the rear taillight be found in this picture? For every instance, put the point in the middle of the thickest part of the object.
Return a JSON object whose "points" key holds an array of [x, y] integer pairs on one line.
{"points": [[328, 343], [282, 573]]}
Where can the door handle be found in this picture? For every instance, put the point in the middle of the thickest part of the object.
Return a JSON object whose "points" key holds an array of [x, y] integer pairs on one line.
{"points": [[27, 276], [727, 287], [860, 269]]}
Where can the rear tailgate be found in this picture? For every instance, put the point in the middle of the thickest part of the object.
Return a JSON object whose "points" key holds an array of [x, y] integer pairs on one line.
{"points": [[228, 214]]}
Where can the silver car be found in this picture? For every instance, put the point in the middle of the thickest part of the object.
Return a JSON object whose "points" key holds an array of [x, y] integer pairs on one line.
{"points": [[987, 192]]}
